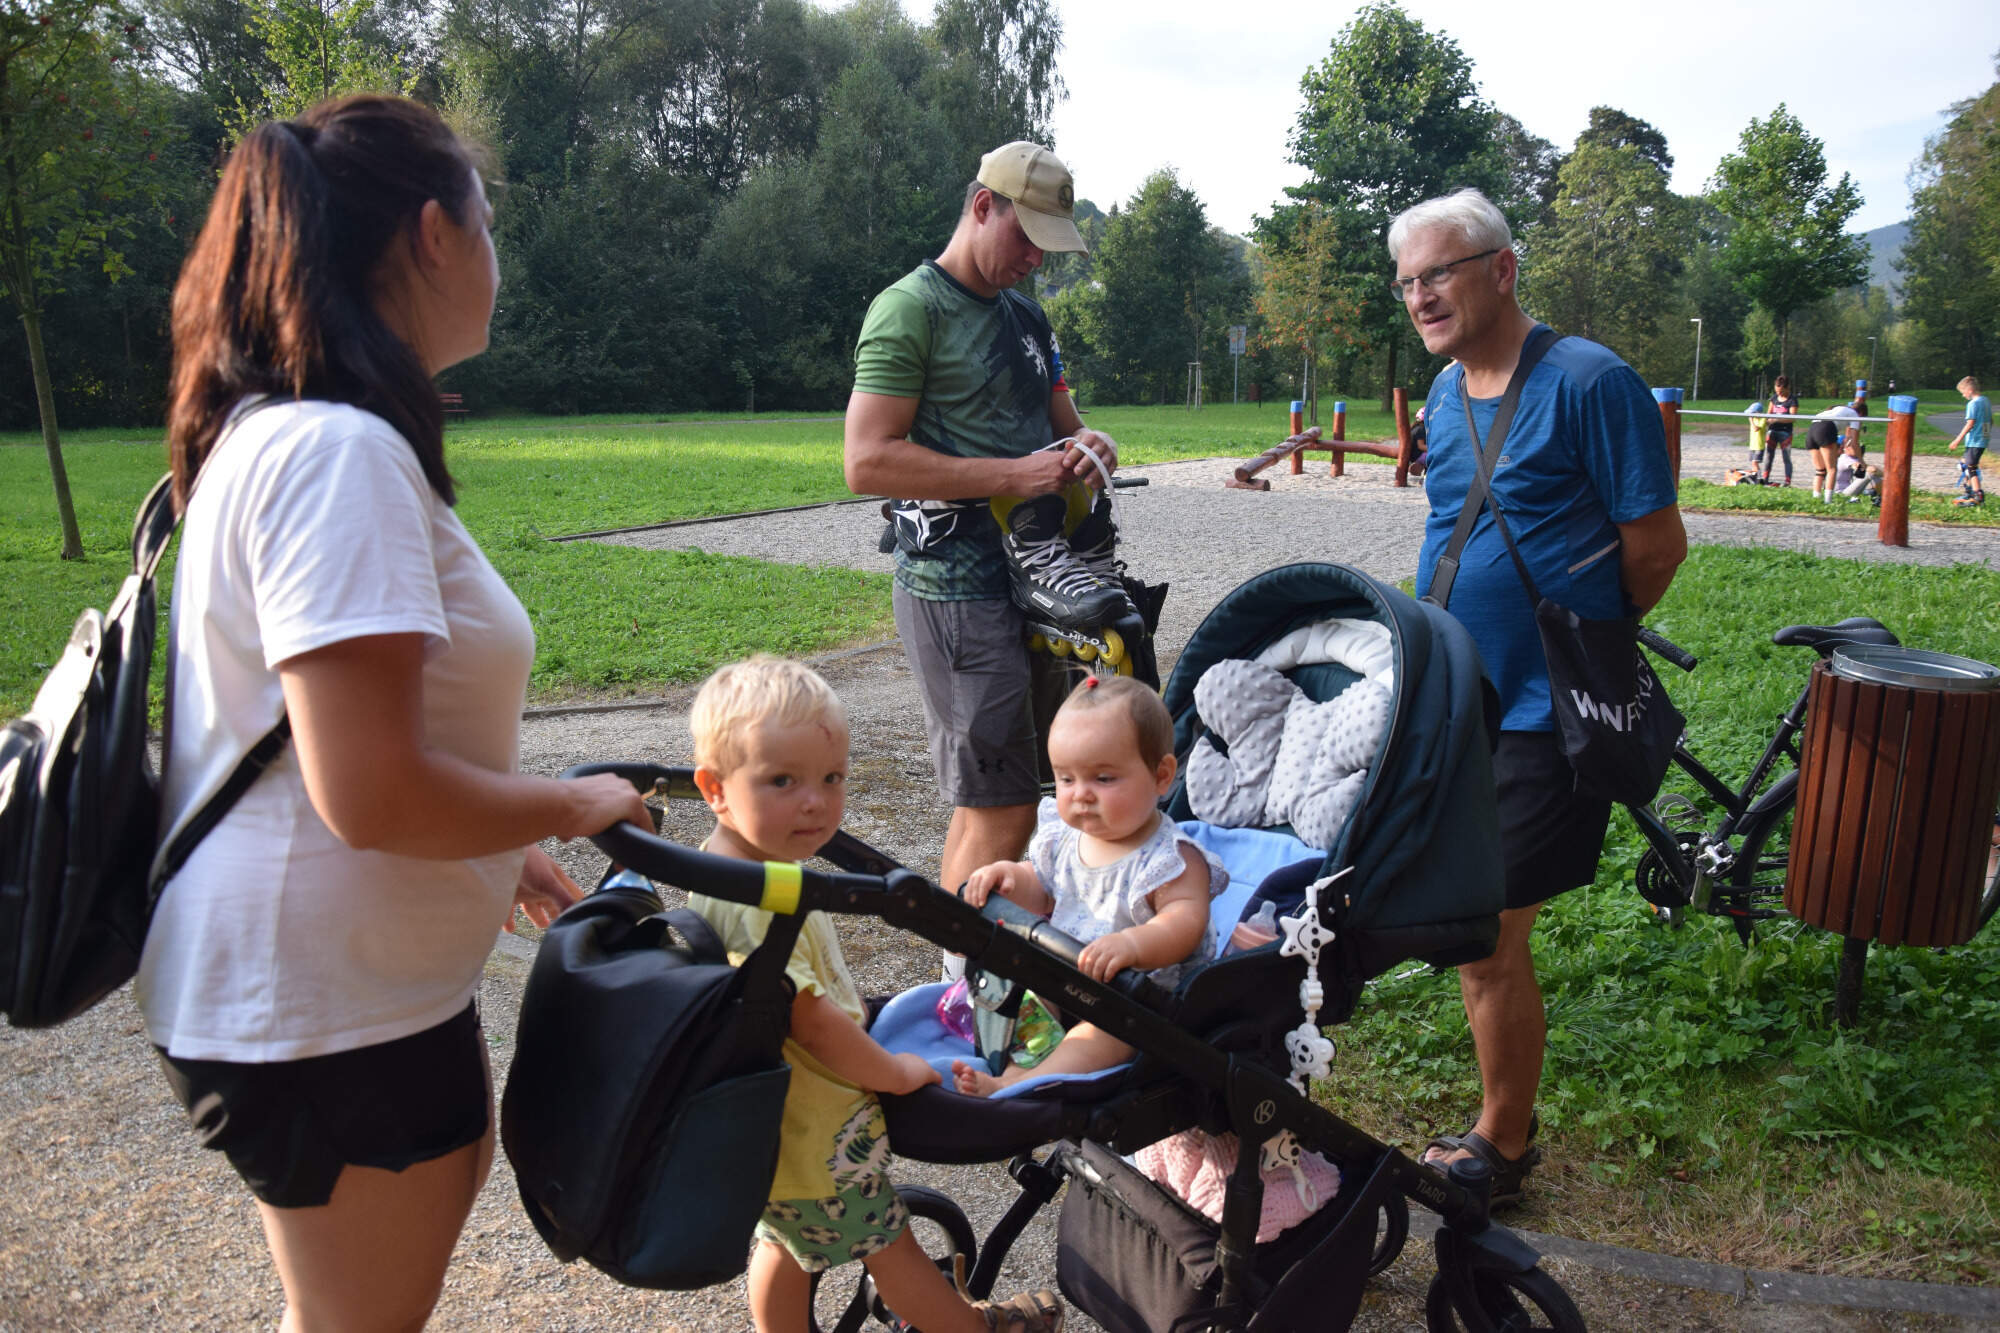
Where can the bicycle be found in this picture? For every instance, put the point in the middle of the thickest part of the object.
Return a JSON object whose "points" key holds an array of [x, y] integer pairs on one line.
{"points": [[1735, 869]]}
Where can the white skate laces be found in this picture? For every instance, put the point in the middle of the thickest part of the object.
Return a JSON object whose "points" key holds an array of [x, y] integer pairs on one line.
{"points": [[1052, 562]]}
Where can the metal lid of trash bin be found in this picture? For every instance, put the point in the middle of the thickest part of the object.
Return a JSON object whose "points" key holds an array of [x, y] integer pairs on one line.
{"points": [[1914, 668]]}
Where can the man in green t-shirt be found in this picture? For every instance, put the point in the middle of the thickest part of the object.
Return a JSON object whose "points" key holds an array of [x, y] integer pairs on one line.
{"points": [[958, 391]]}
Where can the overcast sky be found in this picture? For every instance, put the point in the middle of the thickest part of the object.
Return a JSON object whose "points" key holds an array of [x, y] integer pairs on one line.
{"points": [[1212, 89]]}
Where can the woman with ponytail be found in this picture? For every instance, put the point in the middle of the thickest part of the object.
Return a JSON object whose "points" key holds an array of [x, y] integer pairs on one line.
{"points": [[309, 978]]}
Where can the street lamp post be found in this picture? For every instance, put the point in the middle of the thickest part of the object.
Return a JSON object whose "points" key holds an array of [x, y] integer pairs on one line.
{"points": [[1871, 363], [1696, 321]]}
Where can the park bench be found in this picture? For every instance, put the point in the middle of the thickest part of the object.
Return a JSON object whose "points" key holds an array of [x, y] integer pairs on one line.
{"points": [[454, 405]]}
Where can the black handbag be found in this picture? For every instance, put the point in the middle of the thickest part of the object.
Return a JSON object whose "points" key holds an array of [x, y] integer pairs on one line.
{"points": [[1614, 721], [643, 1110], [80, 805]]}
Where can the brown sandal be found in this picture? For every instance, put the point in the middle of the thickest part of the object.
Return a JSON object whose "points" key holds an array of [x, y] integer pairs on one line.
{"points": [[1032, 1312]]}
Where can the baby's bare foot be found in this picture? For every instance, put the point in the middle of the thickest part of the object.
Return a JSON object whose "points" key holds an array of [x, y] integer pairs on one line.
{"points": [[973, 1081]]}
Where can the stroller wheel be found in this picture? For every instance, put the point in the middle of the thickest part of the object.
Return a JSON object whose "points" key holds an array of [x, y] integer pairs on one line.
{"points": [[1392, 1231], [1530, 1302]]}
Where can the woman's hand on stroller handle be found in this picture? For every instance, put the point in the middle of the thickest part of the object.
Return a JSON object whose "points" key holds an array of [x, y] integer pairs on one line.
{"points": [[599, 801]]}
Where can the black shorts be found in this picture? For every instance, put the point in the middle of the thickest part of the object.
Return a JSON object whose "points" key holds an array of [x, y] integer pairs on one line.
{"points": [[1823, 435], [1551, 835], [291, 1126]]}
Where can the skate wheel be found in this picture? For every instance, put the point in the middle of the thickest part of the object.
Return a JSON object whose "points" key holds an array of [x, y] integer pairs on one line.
{"points": [[1059, 647], [1114, 649], [1086, 652], [1037, 644]]}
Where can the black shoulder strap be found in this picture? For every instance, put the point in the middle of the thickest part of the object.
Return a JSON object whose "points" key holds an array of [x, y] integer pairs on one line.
{"points": [[1480, 492], [151, 532]]}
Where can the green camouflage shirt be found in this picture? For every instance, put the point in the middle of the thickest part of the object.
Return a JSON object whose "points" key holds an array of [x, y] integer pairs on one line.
{"points": [[982, 371]]}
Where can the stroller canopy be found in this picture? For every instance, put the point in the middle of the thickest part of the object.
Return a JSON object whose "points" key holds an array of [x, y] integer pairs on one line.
{"points": [[1424, 838]]}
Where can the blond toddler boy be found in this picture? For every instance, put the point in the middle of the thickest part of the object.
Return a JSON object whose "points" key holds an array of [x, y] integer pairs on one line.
{"points": [[770, 746]]}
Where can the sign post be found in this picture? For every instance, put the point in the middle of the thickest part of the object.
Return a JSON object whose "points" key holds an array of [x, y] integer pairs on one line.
{"points": [[1238, 334]]}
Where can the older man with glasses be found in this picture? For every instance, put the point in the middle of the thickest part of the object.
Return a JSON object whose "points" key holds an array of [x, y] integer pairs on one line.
{"points": [[1588, 495]]}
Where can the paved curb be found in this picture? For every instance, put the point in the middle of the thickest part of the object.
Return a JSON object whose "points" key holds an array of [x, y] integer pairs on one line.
{"points": [[1754, 1284]]}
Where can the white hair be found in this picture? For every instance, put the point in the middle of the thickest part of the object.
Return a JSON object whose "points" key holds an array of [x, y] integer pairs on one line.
{"points": [[1468, 212]]}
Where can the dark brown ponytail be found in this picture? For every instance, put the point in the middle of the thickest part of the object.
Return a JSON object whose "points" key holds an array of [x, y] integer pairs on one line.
{"points": [[275, 296]]}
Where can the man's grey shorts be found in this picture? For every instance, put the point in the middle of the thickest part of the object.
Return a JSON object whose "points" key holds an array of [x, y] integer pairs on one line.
{"points": [[972, 666]]}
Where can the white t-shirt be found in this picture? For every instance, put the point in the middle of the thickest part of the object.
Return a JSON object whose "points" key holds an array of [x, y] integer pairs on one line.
{"points": [[277, 941], [1842, 412]]}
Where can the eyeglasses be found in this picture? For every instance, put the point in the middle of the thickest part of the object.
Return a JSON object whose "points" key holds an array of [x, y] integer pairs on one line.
{"points": [[1435, 278]]}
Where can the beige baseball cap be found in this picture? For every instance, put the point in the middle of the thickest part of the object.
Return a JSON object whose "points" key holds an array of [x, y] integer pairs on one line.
{"points": [[1041, 189]]}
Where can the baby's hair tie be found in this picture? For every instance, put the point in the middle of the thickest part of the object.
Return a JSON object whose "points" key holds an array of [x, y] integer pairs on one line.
{"points": [[1090, 682]]}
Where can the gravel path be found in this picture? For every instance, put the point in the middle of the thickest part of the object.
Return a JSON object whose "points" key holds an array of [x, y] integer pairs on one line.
{"points": [[112, 1219]]}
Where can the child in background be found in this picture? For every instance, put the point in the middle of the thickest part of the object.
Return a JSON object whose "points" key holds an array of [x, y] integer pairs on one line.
{"points": [[1106, 866], [1978, 425], [1757, 433], [1778, 432], [770, 745], [1853, 477]]}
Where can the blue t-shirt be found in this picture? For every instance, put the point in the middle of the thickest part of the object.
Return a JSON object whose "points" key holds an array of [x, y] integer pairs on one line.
{"points": [[1980, 413], [1586, 452]]}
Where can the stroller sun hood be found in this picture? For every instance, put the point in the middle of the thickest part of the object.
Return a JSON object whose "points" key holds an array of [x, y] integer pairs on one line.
{"points": [[1424, 839]]}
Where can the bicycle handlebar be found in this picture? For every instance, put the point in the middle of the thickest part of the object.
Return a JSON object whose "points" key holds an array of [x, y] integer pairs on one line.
{"points": [[1667, 649]]}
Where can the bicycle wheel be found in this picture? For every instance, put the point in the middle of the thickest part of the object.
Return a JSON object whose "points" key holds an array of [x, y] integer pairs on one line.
{"points": [[1530, 1302], [1754, 889]]}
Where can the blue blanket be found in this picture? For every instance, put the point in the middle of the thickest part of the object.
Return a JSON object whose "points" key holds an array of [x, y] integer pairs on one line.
{"points": [[910, 1022]]}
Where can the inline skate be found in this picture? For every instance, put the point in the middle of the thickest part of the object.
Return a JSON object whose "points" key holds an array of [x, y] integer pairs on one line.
{"points": [[1071, 607]]}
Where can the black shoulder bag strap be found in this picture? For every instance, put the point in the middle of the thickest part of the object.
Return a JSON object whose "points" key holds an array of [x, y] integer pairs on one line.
{"points": [[154, 528], [1480, 493]]}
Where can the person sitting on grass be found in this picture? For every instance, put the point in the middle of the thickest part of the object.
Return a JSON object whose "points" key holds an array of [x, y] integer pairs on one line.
{"points": [[770, 745], [1978, 425], [1853, 477], [1105, 865]]}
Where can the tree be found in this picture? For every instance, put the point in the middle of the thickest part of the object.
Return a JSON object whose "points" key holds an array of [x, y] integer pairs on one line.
{"points": [[1951, 261], [999, 82], [1529, 165], [1391, 117], [1789, 245], [319, 48], [1168, 287], [1304, 308], [1605, 265], [1611, 128], [75, 144]]}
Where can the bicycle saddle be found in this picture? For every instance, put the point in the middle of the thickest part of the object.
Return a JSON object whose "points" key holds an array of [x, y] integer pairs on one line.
{"points": [[1823, 639]]}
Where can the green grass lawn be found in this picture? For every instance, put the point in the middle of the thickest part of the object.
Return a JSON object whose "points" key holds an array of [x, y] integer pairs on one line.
{"points": [[1925, 506], [1697, 1095]]}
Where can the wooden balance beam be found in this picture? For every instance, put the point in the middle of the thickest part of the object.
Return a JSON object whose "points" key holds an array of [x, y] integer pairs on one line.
{"points": [[1301, 441]]}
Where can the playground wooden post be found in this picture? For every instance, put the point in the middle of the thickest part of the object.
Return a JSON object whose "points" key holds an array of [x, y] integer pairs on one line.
{"points": [[1893, 527], [1670, 420], [1405, 439], [1339, 433]]}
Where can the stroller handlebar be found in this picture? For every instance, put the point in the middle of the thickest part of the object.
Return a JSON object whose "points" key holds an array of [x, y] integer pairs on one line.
{"points": [[1667, 649], [774, 886]]}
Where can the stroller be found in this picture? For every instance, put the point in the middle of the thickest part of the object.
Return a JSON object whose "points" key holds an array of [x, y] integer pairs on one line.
{"points": [[1413, 874]]}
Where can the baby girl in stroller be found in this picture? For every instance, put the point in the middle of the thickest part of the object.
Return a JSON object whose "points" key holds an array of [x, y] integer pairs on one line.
{"points": [[1105, 865]]}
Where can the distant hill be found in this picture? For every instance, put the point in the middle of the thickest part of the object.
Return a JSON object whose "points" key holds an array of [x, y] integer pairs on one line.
{"points": [[1884, 244]]}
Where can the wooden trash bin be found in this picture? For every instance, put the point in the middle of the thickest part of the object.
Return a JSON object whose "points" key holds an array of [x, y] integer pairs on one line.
{"points": [[1899, 776]]}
